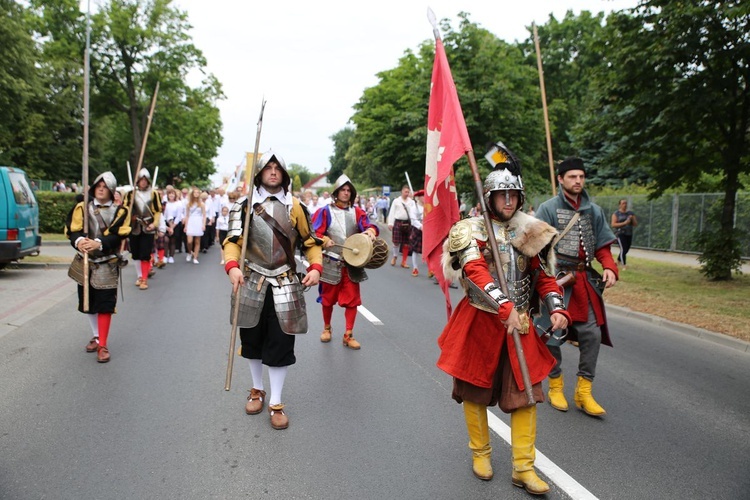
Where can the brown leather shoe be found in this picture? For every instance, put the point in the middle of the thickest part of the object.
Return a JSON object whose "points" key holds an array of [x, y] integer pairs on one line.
{"points": [[326, 335], [350, 342], [138, 282], [102, 354], [151, 272], [279, 420], [144, 285], [255, 402], [93, 345], [393, 261]]}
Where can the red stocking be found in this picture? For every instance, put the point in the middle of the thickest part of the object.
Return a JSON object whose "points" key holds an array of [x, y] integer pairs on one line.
{"points": [[404, 254], [103, 321], [350, 314], [327, 313], [145, 268]]}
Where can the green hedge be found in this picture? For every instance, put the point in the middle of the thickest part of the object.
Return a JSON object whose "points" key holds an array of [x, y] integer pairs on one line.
{"points": [[53, 208]]}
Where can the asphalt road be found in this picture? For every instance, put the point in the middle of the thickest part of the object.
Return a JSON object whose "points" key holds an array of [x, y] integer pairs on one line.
{"points": [[377, 423]]}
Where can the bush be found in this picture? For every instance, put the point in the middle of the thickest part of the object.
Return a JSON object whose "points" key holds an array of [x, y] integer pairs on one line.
{"points": [[53, 209], [720, 254]]}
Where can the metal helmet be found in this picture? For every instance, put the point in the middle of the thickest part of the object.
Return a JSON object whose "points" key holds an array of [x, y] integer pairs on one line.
{"points": [[143, 173], [505, 176], [109, 181], [343, 179], [264, 160]]}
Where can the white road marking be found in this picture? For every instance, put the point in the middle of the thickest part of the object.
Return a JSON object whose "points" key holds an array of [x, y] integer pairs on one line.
{"points": [[544, 464]]}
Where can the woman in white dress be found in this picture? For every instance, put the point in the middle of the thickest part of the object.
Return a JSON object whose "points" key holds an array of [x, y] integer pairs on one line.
{"points": [[173, 215], [194, 223]]}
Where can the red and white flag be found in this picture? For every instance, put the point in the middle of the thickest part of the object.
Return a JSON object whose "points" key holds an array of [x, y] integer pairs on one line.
{"points": [[447, 141]]}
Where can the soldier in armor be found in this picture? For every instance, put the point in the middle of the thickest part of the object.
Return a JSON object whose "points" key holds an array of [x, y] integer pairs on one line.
{"points": [[585, 236], [272, 304], [108, 226], [146, 211], [477, 347], [334, 223]]}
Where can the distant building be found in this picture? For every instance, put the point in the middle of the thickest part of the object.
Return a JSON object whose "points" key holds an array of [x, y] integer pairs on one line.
{"points": [[318, 182]]}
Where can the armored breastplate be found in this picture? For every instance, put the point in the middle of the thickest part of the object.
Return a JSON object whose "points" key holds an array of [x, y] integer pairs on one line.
{"points": [[516, 269], [141, 205], [581, 234], [343, 224], [265, 252], [96, 231]]}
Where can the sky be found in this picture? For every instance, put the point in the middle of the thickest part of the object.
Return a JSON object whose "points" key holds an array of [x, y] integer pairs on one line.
{"points": [[311, 61]]}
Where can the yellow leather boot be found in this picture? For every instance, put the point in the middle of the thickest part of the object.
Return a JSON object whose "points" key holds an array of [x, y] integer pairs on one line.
{"points": [[479, 439], [522, 438], [585, 401], [556, 395]]}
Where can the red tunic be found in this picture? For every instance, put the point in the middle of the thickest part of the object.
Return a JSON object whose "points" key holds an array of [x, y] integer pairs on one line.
{"points": [[472, 340]]}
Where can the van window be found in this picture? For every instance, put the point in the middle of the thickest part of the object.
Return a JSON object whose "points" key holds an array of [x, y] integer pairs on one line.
{"points": [[21, 190]]}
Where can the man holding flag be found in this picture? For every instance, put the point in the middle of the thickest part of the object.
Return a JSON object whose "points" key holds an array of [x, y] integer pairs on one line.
{"points": [[477, 348]]}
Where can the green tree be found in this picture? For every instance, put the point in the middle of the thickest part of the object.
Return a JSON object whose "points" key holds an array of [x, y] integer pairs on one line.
{"points": [[499, 97], [297, 170], [135, 44], [26, 99], [341, 142], [676, 99]]}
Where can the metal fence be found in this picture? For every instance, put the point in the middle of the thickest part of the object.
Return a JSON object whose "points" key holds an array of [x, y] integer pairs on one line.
{"points": [[673, 222]]}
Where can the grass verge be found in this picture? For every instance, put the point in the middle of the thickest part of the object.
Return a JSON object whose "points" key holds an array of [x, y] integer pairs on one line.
{"points": [[683, 294], [53, 237]]}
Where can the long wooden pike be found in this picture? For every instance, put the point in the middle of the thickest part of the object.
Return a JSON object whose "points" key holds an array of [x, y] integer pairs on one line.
{"points": [[544, 109], [245, 229], [85, 163], [493, 248], [143, 149]]}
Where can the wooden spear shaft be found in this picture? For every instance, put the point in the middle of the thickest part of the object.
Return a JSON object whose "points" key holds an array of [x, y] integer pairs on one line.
{"points": [[85, 173], [544, 109], [501, 276], [245, 230], [143, 148]]}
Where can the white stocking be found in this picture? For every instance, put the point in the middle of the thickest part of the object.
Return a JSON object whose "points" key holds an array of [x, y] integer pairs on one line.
{"points": [[276, 374], [94, 320], [137, 264], [414, 260], [256, 373]]}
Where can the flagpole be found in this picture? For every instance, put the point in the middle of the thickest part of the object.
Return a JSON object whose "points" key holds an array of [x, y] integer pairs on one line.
{"points": [[85, 173], [544, 109], [526, 379]]}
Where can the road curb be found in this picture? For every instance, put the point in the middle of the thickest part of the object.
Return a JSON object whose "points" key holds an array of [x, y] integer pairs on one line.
{"points": [[717, 338], [39, 265]]}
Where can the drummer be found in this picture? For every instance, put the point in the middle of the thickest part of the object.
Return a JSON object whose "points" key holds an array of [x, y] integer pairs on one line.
{"points": [[340, 281]]}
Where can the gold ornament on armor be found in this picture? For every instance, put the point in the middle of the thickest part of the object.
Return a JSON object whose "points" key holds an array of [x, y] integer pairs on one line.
{"points": [[523, 318], [521, 262]]}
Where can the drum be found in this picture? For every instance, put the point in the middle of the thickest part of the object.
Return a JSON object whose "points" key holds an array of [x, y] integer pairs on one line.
{"points": [[357, 250], [379, 254]]}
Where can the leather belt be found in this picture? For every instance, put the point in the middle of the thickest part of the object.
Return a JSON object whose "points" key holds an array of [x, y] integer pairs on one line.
{"points": [[572, 266]]}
